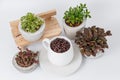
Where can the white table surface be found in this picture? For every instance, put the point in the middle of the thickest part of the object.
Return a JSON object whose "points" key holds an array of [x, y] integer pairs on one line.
{"points": [[105, 13]]}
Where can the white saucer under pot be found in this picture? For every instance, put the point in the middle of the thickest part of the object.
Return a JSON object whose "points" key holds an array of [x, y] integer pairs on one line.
{"points": [[66, 70]]}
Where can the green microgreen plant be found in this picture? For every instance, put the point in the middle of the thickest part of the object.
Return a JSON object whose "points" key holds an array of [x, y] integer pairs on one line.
{"points": [[76, 15], [30, 22]]}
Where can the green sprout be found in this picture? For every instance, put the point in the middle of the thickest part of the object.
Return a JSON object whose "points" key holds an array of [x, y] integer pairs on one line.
{"points": [[76, 15], [31, 23]]}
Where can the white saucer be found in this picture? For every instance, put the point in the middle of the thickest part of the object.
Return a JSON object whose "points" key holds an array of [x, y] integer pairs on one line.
{"points": [[61, 70]]}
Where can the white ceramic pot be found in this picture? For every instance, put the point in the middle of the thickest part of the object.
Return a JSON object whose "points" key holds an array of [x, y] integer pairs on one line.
{"points": [[32, 36], [60, 59], [70, 32], [25, 69]]}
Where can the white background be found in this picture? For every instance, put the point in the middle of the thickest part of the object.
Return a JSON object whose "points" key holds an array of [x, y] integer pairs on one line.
{"points": [[105, 13]]}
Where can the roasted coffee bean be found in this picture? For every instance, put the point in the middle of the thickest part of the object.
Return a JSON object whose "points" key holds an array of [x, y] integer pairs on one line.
{"points": [[60, 45]]}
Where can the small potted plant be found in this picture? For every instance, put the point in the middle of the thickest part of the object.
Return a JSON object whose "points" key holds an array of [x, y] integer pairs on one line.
{"points": [[75, 19], [92, 41], [31, 27], [26, 61]]}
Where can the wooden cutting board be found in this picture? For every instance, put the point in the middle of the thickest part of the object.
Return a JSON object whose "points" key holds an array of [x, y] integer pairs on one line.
{"points": [[52, 28]]}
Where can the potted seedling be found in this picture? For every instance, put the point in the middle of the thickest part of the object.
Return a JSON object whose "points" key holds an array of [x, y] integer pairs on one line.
{"points": [[26, 60], [31, 27], [92, 41], [75, 19]]}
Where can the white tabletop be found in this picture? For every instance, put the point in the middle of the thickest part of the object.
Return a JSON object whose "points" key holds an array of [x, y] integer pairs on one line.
{"points": [[105, 13]]}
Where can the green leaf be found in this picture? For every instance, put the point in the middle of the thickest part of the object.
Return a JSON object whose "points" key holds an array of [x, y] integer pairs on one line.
{"points": [[30, 22], [76, 14]]}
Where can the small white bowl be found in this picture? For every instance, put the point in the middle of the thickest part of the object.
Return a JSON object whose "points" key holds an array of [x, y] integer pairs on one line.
{"points": [[25, 69], [32, 36]]}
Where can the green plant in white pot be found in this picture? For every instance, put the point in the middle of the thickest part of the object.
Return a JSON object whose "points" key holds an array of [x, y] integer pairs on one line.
{"points": [[31, 27], [75, 19]]}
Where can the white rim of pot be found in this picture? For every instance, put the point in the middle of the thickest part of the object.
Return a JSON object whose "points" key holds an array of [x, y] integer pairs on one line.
{"points": [[25, 69], [84, 21], [40, 30]]}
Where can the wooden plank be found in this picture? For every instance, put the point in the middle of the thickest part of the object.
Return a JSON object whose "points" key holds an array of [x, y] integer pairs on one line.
{"points": [[44, 15], [47, 14], [52, 28]]}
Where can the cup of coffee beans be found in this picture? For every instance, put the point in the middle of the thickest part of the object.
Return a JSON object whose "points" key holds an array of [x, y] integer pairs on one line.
{"points": [[59, 49]]}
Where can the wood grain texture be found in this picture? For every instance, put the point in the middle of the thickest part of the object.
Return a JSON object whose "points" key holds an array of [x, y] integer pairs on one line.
{"points": [[52, 28]]}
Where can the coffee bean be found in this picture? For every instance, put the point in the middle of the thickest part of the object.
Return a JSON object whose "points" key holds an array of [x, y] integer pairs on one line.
{"points": [[60, 45]]}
